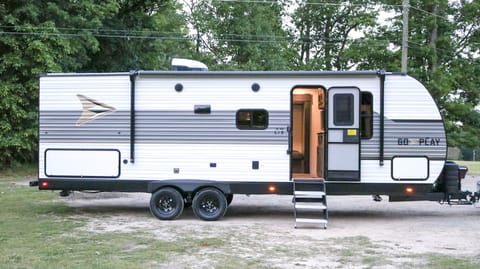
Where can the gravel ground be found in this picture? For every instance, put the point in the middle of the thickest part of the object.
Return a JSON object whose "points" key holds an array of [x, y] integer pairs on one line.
{"points": [[258, 231]]}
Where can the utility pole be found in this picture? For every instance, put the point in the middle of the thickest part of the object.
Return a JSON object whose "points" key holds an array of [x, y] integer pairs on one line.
{"points": [[406, 5]]}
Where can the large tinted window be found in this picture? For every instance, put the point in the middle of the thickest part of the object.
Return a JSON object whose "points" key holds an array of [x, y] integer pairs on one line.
{"points": [[343, 109], [366, 110], [253, 119]]}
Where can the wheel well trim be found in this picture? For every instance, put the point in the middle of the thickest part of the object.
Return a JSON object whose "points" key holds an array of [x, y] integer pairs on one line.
{"points": [[189, 186]]}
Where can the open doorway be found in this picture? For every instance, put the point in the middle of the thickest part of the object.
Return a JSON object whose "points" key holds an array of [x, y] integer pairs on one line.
{"points": [[308, 132]]}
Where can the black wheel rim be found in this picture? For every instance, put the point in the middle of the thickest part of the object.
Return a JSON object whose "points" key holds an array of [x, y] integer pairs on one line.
{"points": [[166, 204], [209, 205]]}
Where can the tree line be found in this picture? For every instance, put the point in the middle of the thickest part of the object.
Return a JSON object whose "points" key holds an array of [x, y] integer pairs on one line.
{"points": [[117, 35]]}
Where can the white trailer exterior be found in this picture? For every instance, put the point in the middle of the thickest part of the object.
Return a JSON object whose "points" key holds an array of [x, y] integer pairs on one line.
{"points": [[370, 133]]}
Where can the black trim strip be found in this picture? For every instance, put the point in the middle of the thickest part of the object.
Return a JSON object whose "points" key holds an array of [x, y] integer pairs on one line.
{"points": [[224, 73], [342, 175], [257, 73], [381, 73], [132, 115], [376, 188], [286, 188]]}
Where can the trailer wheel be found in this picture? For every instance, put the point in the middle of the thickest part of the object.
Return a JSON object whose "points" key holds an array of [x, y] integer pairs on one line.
{"points": [[166, 204], [451, 178], [209, 204]]}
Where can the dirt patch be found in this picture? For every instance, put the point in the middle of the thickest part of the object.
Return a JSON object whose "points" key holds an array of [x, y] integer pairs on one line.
{"points": [[260, 230]]}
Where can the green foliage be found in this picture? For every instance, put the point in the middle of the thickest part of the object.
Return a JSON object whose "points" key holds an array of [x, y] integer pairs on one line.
{"points": [[140, 35], [473, 166], [19, 173], [443, 53], [31, 43], [440, 58], [239, 37], [70, 36], [116, 35], [323, 32]]}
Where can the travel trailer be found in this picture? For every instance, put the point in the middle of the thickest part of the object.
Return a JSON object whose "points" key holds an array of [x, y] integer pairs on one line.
{"points": [[196, 138]]}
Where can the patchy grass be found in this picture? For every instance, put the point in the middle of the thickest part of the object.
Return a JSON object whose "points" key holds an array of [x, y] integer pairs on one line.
{"points": [[360, 250], [436, 261], [21, 172], [473, 167], [39, 231]]}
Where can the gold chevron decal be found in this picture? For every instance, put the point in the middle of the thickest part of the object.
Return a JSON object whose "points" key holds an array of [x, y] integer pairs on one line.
{"points": [[92, 109]]}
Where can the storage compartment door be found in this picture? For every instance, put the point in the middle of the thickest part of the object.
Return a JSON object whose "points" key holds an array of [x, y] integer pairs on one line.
{"points": [[80, 163]]}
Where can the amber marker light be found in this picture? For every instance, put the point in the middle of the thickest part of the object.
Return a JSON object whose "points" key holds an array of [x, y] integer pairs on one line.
{"points": [[409, 190], [272, 188]]}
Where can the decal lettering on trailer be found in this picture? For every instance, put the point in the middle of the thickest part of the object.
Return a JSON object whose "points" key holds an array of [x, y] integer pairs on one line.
{"points": [[280, 131], [422, 141]]}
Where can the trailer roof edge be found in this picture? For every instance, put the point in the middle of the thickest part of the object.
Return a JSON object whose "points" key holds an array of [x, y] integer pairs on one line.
{"points": [[257, 73], [226, 73]]}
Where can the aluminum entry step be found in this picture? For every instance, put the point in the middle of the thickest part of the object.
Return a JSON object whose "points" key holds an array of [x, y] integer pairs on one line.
{"points": [[303, 205], [323, 222], [309, 194], [310, 203], [318, 221]]}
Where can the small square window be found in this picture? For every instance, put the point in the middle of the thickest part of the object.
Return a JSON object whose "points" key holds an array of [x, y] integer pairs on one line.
{"points": [[343, 113], [252, 119]]}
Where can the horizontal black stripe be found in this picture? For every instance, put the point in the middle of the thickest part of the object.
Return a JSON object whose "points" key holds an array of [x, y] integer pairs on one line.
{"points": [[245, 187], [265, 74]]}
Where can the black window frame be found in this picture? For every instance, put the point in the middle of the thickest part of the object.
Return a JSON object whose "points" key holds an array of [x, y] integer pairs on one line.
{"points": [[339, 113], [366, 116], [250, 123]]}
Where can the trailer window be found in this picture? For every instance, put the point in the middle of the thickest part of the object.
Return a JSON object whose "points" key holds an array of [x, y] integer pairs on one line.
{"points": [[252, 119], [343, 109], [366, 114]]}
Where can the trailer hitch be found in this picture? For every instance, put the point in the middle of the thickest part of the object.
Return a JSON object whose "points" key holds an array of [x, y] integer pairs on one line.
{"points": [[462, 198]]}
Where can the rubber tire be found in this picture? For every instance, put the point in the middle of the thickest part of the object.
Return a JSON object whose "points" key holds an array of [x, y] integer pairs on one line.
{"points": [[451, 178], [173, 203], [209, 204]]}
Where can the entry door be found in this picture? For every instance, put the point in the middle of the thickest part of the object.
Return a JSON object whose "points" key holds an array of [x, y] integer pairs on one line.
{"points": [[343, 134]]}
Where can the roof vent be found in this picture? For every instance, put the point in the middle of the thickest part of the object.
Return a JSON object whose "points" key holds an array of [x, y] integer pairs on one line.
{"points": [[179, 64]]}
